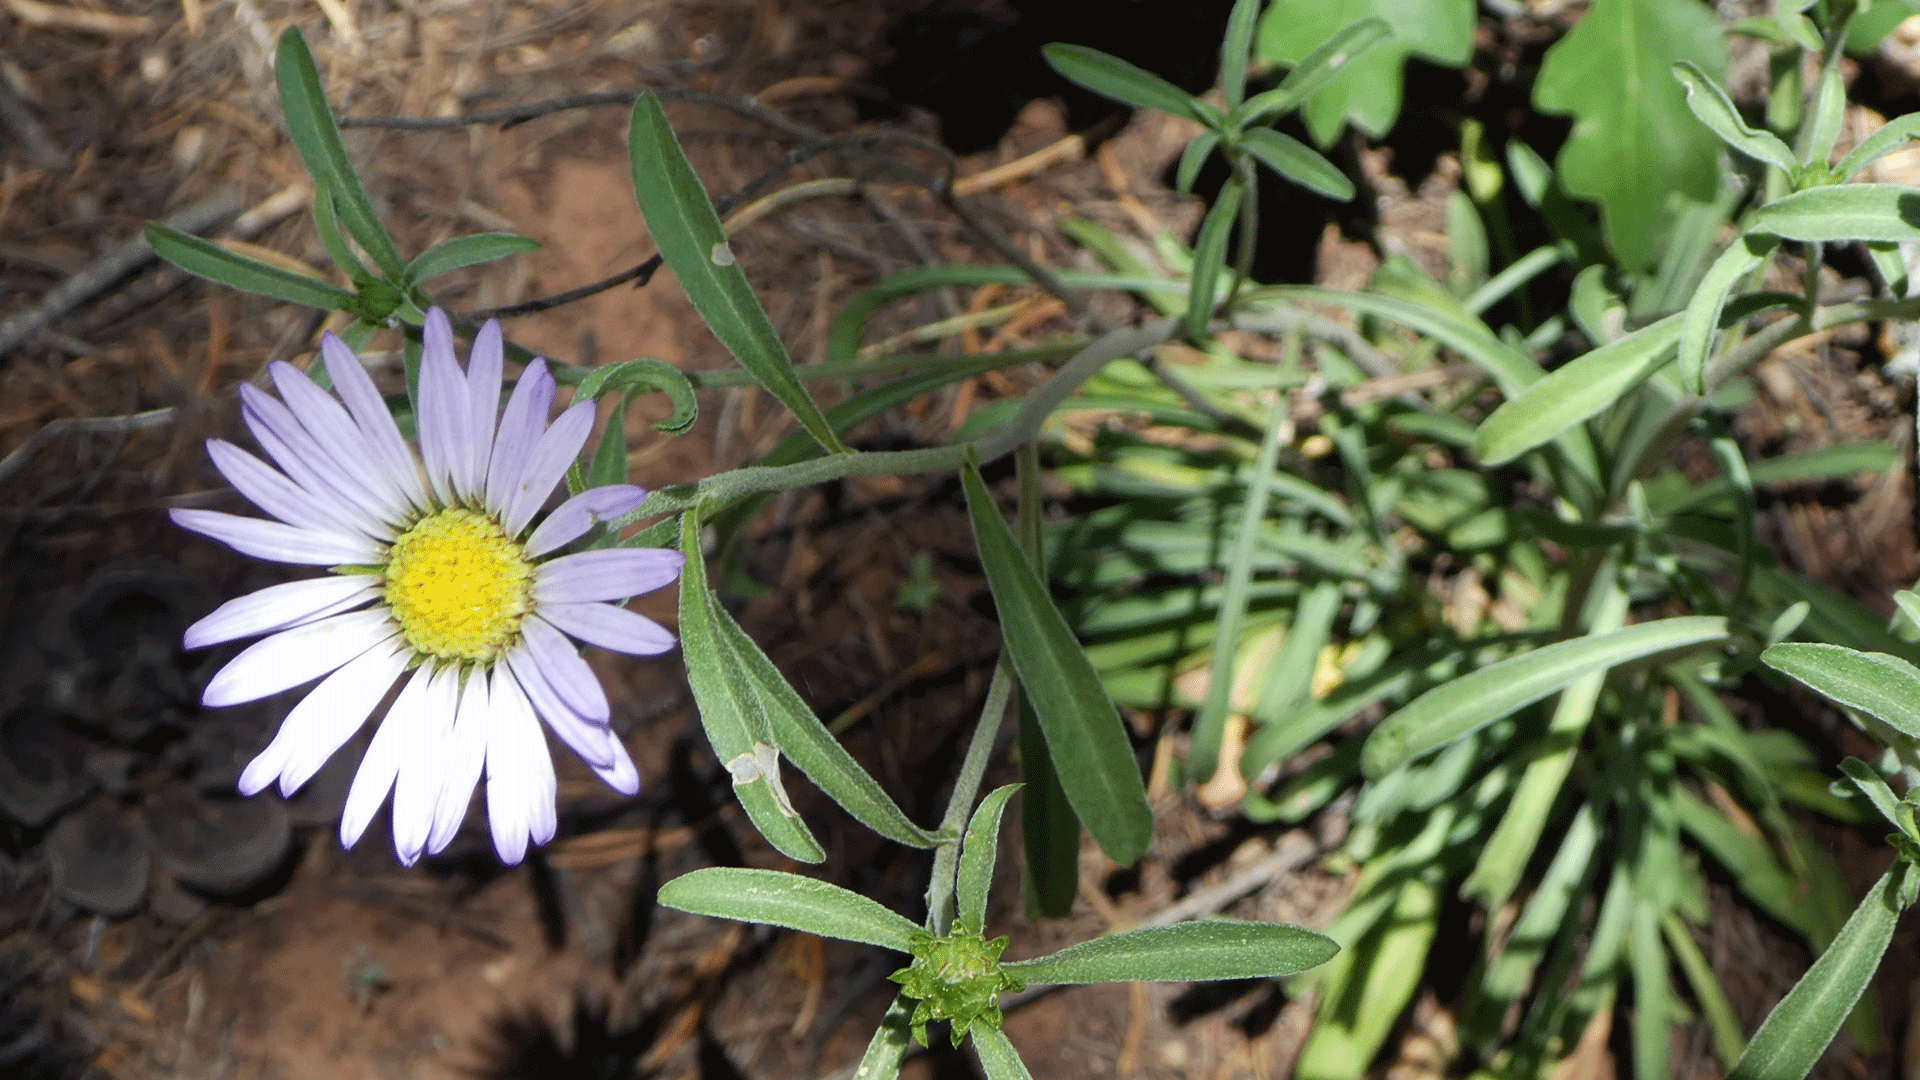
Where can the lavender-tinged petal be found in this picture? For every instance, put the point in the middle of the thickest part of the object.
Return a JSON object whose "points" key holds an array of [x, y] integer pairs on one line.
{"points": [[424, 771], [280, 607], [571, 519], [607, 574], [369, 410], [288, 444], [521, 788], [328, 422], [269, 489], [381, 764], [484, 365], [547, 464], [610, 627], [521, 425], [444, 419], [587, 737], [621, 776], [295, 656], [324, 720], [560, 662], [466, 755], [275, 542]]}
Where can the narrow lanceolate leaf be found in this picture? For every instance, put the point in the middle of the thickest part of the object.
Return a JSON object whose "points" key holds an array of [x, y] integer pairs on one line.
{"points": [[1573, 393], [1321, 66], [464, 251], [317, 137], [1874, 787], [1050, 831], [1798, 1030], [1297, 162], [1194, 156], [645, 374], [806, 742], [1893, 136], [1119, 80], [204, 258], [688, 232], [889, 1045], [1474, 700], [789, 900], [1185, 952], [1883, 686], [1700, 323], [1084, 733], [1823, 126], [731, 711], [978, 856], [1210, 257], [997, 1056], [1233, 51], [1716, 110], [1843, 212]]}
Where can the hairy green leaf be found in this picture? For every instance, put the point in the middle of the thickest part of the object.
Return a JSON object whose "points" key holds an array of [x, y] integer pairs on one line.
{"points": [[789, 900], [1716, 110], [317, 137], [1123, 82], [1184, 952], [1297, 162], [204, 258], [1843, 212], [464, 251], [1884, 686]]}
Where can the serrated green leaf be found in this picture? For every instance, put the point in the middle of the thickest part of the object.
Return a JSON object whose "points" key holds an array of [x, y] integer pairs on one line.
{"points": [[1843, 212], [691, 240], [1366, 90], [1797, 1031], [204, 258], [1574, 392], [797, 903], [1634, 140], [1326, 62], [977, 859], [1297, 162], [1885, 686], [1123, 82], [1084, 733], [316, 136], [1184, 952], [1469, 703], [1716, 110], [464, 251]]}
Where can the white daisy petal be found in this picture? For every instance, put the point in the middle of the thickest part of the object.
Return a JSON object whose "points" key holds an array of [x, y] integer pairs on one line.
{"points": [[278, 607], [423, 772], [607, 574], [621, 776], [339, 438], [269, 489], [521, 788], [325, 719], [569, 675], [484, 363], [521, 426], [610, 627], [291, 448], [571, 519], [587, 737], [295, 656], [369, 410], [381, 763], [546, 465], [275, 542], [443, 418], [466, 755]]}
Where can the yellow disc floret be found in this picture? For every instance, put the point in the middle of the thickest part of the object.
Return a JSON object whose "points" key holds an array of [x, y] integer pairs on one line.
{"points": [[458, 586]]}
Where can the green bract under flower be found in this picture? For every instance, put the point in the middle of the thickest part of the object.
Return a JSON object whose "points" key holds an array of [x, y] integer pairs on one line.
{"points": [[956, 978]]}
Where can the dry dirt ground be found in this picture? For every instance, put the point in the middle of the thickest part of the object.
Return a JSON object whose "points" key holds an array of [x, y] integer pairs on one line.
{"points": [[341, 964]]}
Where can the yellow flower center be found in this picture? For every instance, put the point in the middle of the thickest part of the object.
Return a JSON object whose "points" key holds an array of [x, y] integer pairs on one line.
{"points": [[458, 586]]}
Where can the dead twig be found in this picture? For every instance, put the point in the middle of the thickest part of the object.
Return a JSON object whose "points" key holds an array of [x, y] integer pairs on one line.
{"points": [[140, 421], [17, 114], [104, 271]]}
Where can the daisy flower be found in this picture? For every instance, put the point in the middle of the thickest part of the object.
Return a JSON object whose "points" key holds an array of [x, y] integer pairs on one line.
{"points": [[441, 582]]}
